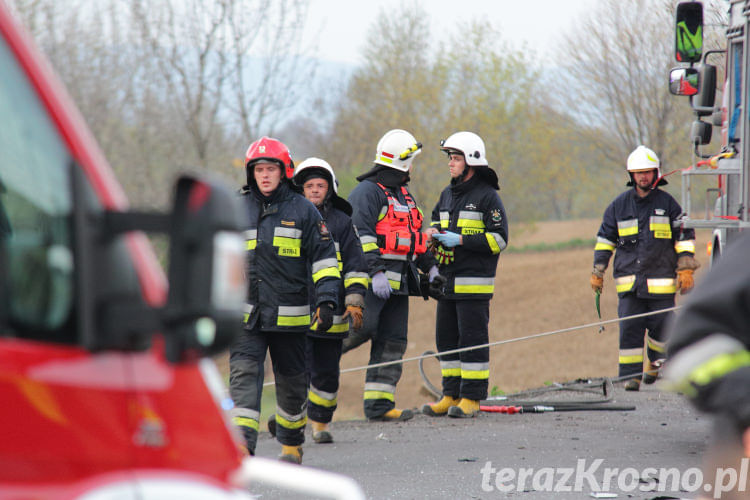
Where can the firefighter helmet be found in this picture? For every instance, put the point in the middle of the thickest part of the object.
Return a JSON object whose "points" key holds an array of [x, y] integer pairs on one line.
{"points": [[468, 144], [397, 149], [319, 165], [642, 159], [270, 150]]}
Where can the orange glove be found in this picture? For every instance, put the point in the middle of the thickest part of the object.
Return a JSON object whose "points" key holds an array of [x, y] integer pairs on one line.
{"points": [[597, 282], [685, 280], [354, 312]]}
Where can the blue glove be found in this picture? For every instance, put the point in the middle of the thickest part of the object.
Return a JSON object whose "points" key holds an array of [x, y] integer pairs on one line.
{"points": [[380, 286], [432, 273], [448, 239]]}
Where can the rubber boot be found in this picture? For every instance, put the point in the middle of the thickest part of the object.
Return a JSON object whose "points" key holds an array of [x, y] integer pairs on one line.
{"points": [[439, 408], [633, 385], [651, 373], [466, 408], [321, 434], [394, 415], [291, 454], [272, 424]]}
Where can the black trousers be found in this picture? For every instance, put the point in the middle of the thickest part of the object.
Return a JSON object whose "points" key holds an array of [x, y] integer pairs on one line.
{"points": [[323, 358], [385, 324], [464, 323], [634, 332], [246, 358]]}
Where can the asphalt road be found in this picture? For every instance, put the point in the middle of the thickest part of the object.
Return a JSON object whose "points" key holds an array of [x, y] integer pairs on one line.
{"points": [[652, 451]]}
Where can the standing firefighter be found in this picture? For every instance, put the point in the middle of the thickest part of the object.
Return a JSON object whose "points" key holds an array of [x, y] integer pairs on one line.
{"points": [[389, 224], [470, 225], [644, 224], [319, 185], [288, 244]]}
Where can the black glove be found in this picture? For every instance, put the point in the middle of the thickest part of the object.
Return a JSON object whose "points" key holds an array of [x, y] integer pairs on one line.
{"points": [[323, 317], [437, 286]]}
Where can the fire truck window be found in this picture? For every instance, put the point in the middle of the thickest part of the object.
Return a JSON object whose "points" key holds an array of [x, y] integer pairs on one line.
{"points": [[35, 208]]}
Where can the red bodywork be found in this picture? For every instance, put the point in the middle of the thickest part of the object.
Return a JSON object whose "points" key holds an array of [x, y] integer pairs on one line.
{"points": [[71, 418]]}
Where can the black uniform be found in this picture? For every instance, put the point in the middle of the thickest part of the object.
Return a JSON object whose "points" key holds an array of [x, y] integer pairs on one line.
{"points": [[324, 348], [473, 209], [287, 242], [385, 321], [649, 237]]}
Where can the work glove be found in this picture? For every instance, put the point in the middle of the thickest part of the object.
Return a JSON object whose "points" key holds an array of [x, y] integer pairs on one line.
{"points": [[448, 239], [380, 286], [597, 277], [355, 305], [685, 281], [322, 318]]}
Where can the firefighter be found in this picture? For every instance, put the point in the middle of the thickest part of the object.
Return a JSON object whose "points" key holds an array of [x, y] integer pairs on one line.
{"points": [[319, 185], [471, 229], [288, 245], [389, 225], [709, 356], [654, 259]]}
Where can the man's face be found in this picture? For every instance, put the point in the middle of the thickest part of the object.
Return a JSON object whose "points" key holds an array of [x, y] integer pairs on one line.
{"points": [[315, 190], [644, 180], [267, 176], [457, 164]]}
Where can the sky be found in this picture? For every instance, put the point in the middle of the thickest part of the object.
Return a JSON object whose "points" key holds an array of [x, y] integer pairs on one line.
{"points": [[344, 24]]}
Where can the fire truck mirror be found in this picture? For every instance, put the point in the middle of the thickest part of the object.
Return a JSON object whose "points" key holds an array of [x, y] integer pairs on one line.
{"points": [[206, 270], [684, 81], [689, 32]]}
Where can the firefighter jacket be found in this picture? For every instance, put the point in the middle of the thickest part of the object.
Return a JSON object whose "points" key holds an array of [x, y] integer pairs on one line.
{"points": [[287, 244], [389, 225], [473, 209], [648, 235], [709, 343], [351, 265]]}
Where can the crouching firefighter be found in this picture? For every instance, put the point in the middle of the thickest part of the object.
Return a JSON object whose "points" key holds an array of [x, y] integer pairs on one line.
{"points": [[389, 225], [288, 245], [654, 259], [471, 229]]}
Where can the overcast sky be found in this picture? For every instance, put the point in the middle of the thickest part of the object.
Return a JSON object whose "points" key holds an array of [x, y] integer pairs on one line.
{"points": [[343, 24]]}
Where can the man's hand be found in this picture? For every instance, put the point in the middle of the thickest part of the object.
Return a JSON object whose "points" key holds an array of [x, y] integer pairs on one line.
{"points": [[448, 239], [685, 281], [323, 317], [380, 286], [356, 314]]}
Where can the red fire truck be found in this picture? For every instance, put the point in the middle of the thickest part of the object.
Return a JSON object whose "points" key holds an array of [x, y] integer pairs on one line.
{"points": [[107, 387]]}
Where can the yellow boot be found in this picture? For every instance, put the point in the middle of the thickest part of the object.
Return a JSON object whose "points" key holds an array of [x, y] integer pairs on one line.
{"points": [[291, 454], [321, 434], [394, 415], [466, 408], [439, 408]]}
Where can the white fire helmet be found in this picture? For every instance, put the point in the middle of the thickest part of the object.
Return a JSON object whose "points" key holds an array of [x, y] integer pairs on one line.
{"points": [[642, 159], [396, 149], [470, 145], [315, 163]]}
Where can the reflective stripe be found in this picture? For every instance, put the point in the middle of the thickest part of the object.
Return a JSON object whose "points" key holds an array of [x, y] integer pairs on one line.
{"points": [[684, 246], [339, 262], [369, 243], [248, 311], [251, 238], [445, 220], [375, 390], [246, 422], [288, 421], [474, 285], [394, 279], [287, 237], [656, 345], [383, 212], [321, 398], [661, 285], [661, 227], [390, 256], [293, 316], [339, 325], [355, 278], [325, 267], [450, 368], [475, 371], [245, 417], [624, 283], [629, 356], [604, 244], [496, 242], [627, 227], [470, 219]]}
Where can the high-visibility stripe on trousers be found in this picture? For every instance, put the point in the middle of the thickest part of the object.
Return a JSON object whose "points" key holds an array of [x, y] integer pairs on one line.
{"points": [[323, 357], [633, 332]]}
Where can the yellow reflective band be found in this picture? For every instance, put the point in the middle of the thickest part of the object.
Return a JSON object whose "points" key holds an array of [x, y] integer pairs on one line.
{"points": [[626, 360], [315, 398], [492, 242], [355, 281], [663, 285], [719, 366], [475, 374], [379, 395], [624, 283], [385, 159], [245, 422], [655, 345], [291, 424], [327, 271], [604, 246], [251, 244], [470, 223], [474, 289], [658, 226], [627, 231], [685, 246], [396, 285], [293, 320], [369, 247], [282, 241], [245, 317], [451, 372], [444, 224], [339, 328]]}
